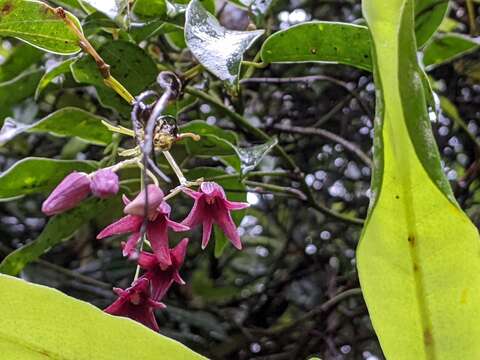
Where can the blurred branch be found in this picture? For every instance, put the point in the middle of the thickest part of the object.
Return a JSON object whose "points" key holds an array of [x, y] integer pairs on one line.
{"points": [[327, 135]]}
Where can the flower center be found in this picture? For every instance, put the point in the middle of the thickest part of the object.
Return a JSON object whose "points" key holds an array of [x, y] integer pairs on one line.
{"points": [[135, 298]]}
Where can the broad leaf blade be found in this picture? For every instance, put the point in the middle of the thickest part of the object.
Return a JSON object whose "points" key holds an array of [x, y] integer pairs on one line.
{"points": [[320, 41], [20, 59], [42, 323], [130, 65], [429, 15], [447, 47], [50, 75], [418, 256], [37, 24], [219, 50], [37, 175]]}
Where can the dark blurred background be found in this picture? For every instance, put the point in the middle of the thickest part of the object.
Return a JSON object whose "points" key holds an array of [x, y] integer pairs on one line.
{"points": [[273, 300]]}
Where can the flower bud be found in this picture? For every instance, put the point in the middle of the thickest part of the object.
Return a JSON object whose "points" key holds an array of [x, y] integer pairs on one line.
{"points": [[74, 188], [137, 205], [104, 183]]}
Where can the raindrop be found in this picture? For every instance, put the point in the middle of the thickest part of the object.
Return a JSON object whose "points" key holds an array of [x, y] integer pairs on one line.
{"points": [[310, 249], [255, 348]]}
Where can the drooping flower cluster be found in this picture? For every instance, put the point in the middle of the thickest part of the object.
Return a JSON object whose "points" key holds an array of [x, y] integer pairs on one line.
{"points": [[149, 214]]}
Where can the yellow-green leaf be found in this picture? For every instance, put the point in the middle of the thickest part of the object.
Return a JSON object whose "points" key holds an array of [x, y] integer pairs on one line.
{"points": [[418, 257], [42, 323], [37, 24]]}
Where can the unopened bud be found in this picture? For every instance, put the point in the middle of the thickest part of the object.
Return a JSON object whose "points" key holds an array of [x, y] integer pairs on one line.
{"points": [[104, 183]]}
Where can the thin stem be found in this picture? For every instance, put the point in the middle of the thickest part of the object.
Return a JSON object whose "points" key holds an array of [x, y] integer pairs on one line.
{"points": [[277, 188], [471, 17], [176, 169], [103, 67], [308, 80], [328, 135], [258, 65]]}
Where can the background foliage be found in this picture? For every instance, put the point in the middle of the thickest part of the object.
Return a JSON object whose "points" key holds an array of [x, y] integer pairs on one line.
{"points": [[274, 299]]}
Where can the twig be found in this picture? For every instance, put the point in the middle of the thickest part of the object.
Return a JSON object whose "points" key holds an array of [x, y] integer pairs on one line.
{"points": [[103, 67], [327, 135], [309, 79]]}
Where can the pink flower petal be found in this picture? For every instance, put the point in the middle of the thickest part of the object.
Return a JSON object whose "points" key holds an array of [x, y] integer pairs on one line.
{"points": [[225, 222], [177, 227], [131, 243], [157, 233], [127, 224], [207, 231], [233, 205]]}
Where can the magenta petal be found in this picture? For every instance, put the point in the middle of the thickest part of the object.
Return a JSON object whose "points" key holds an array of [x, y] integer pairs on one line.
{"points": [[179, 252], [158, 235], [207, 231], [127, 224], [147, 261], [192, 193], [104, 183], [177, 227], [212, 189], [196, 214], [233, 205], [225, 222], [131, 243], [72, 189], [125, 200], [137, 205]]}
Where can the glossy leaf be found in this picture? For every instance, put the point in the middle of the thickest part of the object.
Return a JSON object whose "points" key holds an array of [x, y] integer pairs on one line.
{"points": [[130, 65], [18, 89], [150, 8], [37, 24], [320, 41], [218, 49], [37, 175], [214, 141], [50, 75], [418, 256], [21, 58], [58, 229], [143, 31], [429, 14], [114, 9], [42, 323], [447, 47], [64, 122]]}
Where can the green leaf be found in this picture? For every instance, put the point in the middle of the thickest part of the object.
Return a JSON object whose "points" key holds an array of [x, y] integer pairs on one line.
{"points": [[418, 257], [143, 31], [235, 191], [218, 49], [150, 8], [21, 58], [446, 47], [40, 323], [320, 41], [129, 64], [37, 24], [50, 75], [113, 9], [37, 175], [58, 229], [429, 14], [18, 89], [64, 122], [214, 141]]}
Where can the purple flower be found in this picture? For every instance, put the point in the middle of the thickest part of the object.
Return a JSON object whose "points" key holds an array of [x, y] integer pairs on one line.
{"points": [[211, 206], [157, 225], [104, 183], [162, 278], [136, 303], [72, 189]]}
